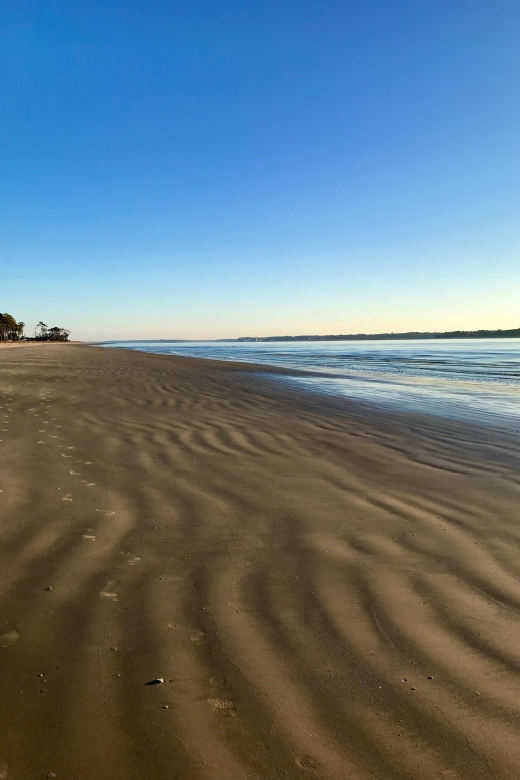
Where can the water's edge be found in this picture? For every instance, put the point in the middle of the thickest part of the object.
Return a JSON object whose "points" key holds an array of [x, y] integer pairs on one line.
{"points": [[471, 380]]}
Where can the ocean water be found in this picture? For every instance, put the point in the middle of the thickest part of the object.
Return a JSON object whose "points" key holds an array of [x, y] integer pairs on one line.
{"points": [[472, 379]]}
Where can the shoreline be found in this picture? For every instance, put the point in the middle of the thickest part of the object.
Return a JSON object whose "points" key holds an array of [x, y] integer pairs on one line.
{"points": [[326, 588], [495, 422]]}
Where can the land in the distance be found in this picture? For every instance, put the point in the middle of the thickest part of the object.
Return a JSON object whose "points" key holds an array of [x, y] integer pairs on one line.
{"points": [[318, 589], [408, 336]]}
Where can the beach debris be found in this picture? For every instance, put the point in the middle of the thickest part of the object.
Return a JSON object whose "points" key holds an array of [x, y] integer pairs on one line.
{"points": [[49, 588], [108, 592], [8, 634], [68, 497], [90, 537], [108, 595], [165, 707], [157, 681], [224, 705]]}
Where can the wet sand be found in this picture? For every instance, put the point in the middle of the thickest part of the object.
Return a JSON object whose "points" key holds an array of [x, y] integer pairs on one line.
{"points": [[326, 590]]}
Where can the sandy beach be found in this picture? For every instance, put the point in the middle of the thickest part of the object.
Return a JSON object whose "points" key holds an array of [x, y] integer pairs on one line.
{"points": [[324, 589]]}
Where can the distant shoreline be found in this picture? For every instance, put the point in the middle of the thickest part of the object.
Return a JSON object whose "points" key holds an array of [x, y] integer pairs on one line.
{"points": [[409, 336]]}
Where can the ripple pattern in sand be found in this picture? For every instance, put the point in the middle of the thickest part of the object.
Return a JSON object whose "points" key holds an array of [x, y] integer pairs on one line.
{"points": [[319, 596]]}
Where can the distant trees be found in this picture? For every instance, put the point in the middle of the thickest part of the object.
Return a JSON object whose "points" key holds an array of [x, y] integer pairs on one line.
{"points": [[43, 333], [10, 330]]}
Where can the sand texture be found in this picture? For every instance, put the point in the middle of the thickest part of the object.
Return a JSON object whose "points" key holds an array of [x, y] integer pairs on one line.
{"points": [[325, 591]]}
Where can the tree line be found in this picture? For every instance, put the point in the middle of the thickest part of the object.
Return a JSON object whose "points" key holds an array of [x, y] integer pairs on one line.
{"points": [[409, 336], [11, 330]]}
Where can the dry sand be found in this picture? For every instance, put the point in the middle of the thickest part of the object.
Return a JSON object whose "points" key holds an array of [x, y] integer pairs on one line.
{"points": [[325, 590]]}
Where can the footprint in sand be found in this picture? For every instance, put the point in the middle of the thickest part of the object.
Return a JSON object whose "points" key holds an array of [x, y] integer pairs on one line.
{"points": [[306, 762], [8, 634]]}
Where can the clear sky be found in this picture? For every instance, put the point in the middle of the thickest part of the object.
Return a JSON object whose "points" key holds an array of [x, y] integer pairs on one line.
{"points": [[220, 168]]}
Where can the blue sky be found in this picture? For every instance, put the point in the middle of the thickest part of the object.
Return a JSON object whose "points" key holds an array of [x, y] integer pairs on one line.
{"points": [[250, 167]]}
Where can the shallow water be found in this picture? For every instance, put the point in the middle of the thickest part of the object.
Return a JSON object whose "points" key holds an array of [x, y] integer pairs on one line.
{"points": [[473, 379]]}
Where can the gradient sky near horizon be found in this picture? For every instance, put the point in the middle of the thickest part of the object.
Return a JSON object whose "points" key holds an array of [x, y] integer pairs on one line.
{"points": [[205, 169]]}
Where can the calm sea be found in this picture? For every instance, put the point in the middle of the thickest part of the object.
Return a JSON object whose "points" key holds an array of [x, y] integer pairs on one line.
{"points": [[477, 379]]}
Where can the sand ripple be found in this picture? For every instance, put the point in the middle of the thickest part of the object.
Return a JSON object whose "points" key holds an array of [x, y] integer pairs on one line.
{"points": [[324, 594]]}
